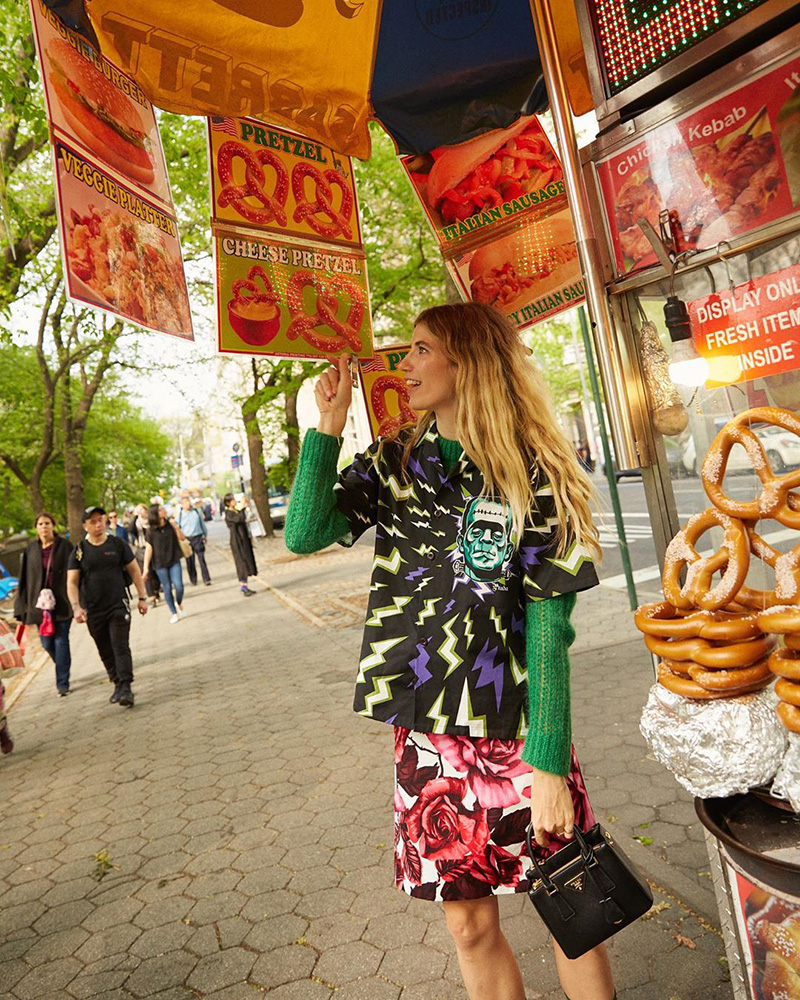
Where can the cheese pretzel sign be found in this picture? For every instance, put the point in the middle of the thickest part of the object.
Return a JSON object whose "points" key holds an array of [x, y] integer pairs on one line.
{"points": [[273, 204], [732, 558], [256, 295], [776, 499], [304, 324], [377, 397], [309, 211]]}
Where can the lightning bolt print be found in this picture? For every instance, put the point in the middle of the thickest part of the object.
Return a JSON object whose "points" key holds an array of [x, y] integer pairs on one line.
{"points": [[380, 694], [392, 564], [439, 721], [468, 634], [498, 621], [429, 610], [447, 650], [389, 611], [376, 658]]}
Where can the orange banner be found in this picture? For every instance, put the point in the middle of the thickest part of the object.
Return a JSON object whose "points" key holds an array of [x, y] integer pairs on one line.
{"points": [[385, 391], [268, 177]]}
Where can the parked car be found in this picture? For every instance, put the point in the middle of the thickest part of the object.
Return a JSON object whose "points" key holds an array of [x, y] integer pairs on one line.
{"points": [[278, 506], [782, 448]]}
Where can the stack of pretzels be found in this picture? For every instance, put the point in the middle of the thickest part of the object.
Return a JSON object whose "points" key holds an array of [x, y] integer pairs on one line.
{"points": [[721, 641]]}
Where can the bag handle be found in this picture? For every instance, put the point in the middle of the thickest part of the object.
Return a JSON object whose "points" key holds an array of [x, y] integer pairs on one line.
{"points": [[549, 884]]}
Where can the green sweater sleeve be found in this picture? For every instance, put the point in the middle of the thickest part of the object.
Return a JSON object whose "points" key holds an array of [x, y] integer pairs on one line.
{"points": [[313, 521], [548, 636]]}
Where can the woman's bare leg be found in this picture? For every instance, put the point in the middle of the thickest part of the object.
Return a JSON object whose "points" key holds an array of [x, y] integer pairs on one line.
{"points": [[487, 963], [588, 977]]}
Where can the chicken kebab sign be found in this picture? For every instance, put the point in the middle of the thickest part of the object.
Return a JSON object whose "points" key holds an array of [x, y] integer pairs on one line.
{"points": [[725, 169], [291, 269], [119, 234]]}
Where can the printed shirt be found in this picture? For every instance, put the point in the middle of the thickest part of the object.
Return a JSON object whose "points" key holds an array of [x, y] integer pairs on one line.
{"points": [[444, 638]]}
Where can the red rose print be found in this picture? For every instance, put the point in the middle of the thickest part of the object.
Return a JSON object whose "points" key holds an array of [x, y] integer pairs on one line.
{"points": [[497, 866], [489, 765], [400, 737], [441, 826]]}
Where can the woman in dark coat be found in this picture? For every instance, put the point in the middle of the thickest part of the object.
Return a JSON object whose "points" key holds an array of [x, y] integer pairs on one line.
{"points": [[241, 544], [44, 566]]}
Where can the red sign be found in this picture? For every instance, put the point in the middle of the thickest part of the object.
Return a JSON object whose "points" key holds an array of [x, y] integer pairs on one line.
{"points": [[726, 169], [751, 331]]}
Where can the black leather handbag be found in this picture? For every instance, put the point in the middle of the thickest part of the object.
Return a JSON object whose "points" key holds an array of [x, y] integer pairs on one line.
{"points": [[586, 891]]}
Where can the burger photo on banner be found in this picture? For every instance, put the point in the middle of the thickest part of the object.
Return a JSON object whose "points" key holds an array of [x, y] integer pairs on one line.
{"points": [[486, 180], [284, 298], [385, 391], [94, 104], [527, 274]]}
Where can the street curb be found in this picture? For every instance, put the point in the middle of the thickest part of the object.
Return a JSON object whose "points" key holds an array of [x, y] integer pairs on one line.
{"points": [[25, 679]]}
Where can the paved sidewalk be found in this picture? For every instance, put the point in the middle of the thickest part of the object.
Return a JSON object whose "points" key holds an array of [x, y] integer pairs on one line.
{"points": [[232, 834]]}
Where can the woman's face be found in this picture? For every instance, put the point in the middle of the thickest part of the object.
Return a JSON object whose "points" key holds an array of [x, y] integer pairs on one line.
{"points": [[430, 374], [45, 530], [162, 513]]}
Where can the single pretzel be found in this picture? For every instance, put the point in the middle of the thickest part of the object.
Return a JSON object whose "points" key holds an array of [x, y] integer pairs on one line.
{"points": [[388, 424], [273, 209], [787, 571], [688, 688], [303, 324], [704, 653], [309, 211], [248, 284], [776, 499], [780, 620], [732, 558], [677, 666], [785, 663], [724, 680], [663, 620], [789, 716], [788, 691]]}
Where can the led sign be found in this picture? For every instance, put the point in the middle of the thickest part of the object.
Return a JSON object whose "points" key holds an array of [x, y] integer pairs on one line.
{"points": [[637, 37]]}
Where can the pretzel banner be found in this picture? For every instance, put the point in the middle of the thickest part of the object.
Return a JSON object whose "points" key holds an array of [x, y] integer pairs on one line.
{"points": [[285, 298], [270, 178], [384, 389]]}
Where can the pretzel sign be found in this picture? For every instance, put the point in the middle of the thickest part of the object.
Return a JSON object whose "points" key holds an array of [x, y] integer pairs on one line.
{"points": [[274, 203], [776, 499], [303, 324], [257, 296], [733, 558], [309, 211], [387, 424]]}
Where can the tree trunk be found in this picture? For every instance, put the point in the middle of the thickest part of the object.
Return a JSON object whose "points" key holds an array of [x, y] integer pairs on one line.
{"points": [[292, 430], [255, 449], [73, 469]]}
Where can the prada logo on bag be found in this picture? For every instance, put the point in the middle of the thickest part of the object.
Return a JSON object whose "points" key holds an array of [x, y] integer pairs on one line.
{"points": [[576, 883]]}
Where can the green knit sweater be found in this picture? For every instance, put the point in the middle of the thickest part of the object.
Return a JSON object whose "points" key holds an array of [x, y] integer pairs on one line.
{"points": [[313, 522]]}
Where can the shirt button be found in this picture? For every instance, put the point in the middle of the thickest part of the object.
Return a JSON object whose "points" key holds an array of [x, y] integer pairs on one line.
{"points": [[430, 556]]}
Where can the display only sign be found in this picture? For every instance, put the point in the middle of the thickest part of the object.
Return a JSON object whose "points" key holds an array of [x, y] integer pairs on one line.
{"points": [[750, 331], [725, 169], [385, 391]]}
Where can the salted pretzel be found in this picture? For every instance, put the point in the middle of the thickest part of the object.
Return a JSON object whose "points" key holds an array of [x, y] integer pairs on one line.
{"points": [[661, 619], [706, 654], [273, 204], [776, 499], [789, 716], [788, 691], [780, 620], [726, 680], [688, 688], [309, 211], [388, 424], [256, 295], [732, 559], [785, 663], [304, 324]]}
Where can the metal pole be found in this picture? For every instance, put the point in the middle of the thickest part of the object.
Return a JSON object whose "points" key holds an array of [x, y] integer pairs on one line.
{"points": [[608, 351], [624, 551]]}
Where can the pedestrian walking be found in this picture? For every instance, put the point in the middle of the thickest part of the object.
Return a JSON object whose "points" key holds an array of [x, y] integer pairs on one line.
{"points": [[191, 522], [42, 595], [137, 538], [484, 536], [98, 592], [115, 528], [163, 556], [241, 544]]}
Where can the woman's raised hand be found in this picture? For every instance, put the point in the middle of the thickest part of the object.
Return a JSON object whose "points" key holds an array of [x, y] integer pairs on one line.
{"points": [[333, 393]]}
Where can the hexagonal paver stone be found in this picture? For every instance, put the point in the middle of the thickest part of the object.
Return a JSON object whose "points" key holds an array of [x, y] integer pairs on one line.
{"points": [[413, 964], [61, 918], [111, 942], [284, 965], [163, 911], [368, 989], [392, 931], [46, 978], [325, 903], [302, 990], [98, 984], [159, 940], [62, 944], [155, 974], [348, 962], [214, 972], [224, 904], [275, 933]]}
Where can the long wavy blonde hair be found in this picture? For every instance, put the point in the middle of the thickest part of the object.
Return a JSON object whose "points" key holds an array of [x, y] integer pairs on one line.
{"points": [[506, 421]]}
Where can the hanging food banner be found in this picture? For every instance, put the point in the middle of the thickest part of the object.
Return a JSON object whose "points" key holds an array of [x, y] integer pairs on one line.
{"points": [[290, 299], [724, 170], [98, 108], [121, 252], [750, 331], [486, 181], [385, 391], [527, 274], [266, 177]]}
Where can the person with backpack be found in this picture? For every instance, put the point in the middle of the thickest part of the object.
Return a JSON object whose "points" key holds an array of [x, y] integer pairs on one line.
{"points": [[100, 569], [190, 521]]}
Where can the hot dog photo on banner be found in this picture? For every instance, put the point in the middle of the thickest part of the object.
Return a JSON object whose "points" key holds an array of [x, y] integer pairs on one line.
{"points": [[385, 391], [289, 299], [267, 177]]}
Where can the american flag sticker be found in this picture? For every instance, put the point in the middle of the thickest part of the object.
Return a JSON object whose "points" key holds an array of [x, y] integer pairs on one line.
{"points": [[227, 125], [377, 364]]}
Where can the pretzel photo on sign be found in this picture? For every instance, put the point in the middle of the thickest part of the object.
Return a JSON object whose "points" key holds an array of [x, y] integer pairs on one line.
{"points": [[732, 559], [310, 211], [776, 499], [273, 203], [388, 424], [253, 310], [328, 291], [256, 296]]}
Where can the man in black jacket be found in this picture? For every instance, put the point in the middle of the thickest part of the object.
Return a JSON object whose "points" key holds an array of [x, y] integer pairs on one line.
{"points": [[98, 592]]}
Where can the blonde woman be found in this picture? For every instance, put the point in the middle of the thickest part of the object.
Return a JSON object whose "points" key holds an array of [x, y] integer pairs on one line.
{"points": [[484, 535]]}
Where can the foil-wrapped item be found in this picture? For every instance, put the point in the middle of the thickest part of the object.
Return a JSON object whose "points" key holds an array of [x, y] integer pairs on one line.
{"points": [[715, 748], [787, 780]]}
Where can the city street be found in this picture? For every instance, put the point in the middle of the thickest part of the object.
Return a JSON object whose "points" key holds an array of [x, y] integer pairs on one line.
{"points": [[231, 835]]}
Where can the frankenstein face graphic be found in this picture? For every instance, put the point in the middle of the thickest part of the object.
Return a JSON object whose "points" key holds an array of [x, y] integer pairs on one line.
{"points": [[485, 541]]}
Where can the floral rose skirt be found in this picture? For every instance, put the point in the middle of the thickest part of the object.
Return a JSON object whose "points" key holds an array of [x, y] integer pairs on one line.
{"points": [[461, 812]]}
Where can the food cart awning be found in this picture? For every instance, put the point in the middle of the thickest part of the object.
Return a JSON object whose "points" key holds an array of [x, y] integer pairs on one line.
{"points": [[431, 73]]}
